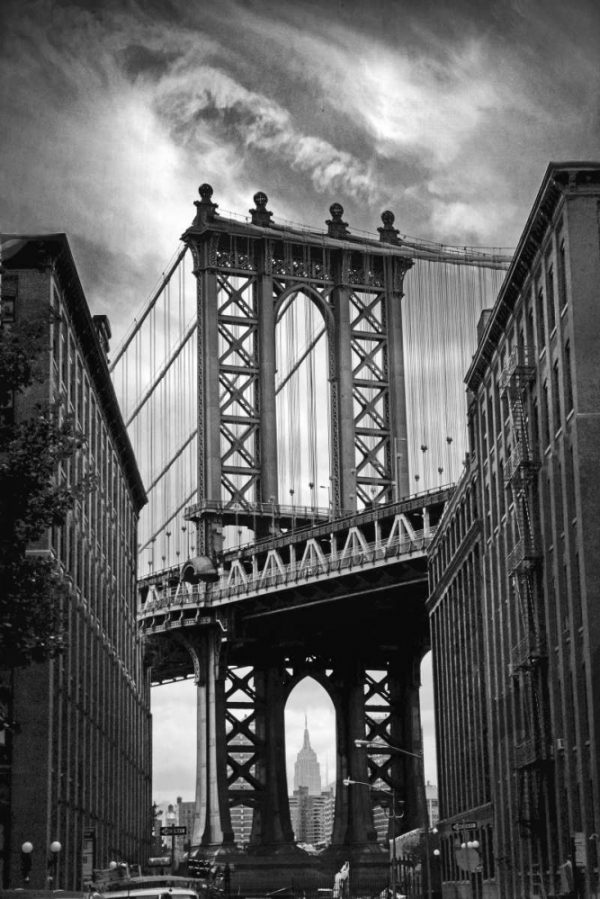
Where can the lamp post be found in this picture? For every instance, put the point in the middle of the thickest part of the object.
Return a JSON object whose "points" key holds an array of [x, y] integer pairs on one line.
{"points": [[55, 848], [272, 501], [393, 866], [386, 747], [171, 818], [26, 850], [327, 487]]}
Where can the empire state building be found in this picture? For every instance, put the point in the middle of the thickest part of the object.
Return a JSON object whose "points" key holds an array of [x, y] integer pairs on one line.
{"points": [[307, 771]]}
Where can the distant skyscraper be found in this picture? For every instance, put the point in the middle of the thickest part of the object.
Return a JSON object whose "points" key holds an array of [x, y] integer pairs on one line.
{"points": [[307, 771]]}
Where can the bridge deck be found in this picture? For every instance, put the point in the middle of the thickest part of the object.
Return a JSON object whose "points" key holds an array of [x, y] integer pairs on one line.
{"points": [[269, 589]]}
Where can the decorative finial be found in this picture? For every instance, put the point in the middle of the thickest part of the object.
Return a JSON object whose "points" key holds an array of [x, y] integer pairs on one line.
{"points": [[205, 208], [388, 233], [261, 215], [335, 226]]}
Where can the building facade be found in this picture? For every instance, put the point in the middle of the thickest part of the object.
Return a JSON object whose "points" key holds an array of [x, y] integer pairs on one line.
{"points": [[515, 574], [76, 766], [312, 816]]}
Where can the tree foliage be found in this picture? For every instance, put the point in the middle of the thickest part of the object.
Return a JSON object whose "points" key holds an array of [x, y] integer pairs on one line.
{"points": [[34, 495]]}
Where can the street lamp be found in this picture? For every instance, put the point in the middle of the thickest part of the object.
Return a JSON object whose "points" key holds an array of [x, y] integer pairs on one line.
{"points": [[393, 867], [171, 818], [26, 850], [55, 848], [386, 747]]}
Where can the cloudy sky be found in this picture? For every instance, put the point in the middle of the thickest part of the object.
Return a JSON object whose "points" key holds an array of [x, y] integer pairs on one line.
{"points": [[447, 113], [113, 113]]}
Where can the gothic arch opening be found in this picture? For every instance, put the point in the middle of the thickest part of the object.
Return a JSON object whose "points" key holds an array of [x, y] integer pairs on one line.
{"points": [[302, 404], [310, 751]]}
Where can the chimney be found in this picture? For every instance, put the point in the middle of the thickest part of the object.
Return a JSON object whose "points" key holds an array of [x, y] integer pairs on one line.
{"points": [[103, 331]]}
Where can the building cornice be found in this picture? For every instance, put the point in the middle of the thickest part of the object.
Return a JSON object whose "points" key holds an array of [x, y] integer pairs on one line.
{"points": [[52, 251], [560, 180]]}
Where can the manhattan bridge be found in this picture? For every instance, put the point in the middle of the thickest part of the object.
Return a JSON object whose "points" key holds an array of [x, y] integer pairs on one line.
{"points": [[295, 400]]}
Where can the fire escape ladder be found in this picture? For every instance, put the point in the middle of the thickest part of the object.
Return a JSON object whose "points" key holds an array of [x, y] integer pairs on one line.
{"points": [[521, 466], [531, 755]]}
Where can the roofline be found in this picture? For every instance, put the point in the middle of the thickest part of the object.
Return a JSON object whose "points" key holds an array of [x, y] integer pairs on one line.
{"points": [[96, 360], [549, 194]]}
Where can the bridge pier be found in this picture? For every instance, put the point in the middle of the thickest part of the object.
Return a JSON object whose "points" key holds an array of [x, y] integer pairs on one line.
{"points": [[271, 825], [353, 821], [212, 820]]}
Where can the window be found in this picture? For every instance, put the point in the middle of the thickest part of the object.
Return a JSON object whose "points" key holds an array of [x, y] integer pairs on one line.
{"points": [[556, 396], [64, 353], [55, 328], [483, 434], [568, 379], [8, 298], [545, 415], [550, 295], [540, 318], [7, 409], [562, 271]]}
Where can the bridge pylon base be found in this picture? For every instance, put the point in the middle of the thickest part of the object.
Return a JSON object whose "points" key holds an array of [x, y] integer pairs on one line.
{"points": [[291, 868]]}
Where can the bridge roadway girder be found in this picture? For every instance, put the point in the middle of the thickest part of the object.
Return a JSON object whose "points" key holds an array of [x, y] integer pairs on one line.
{"points": [[369, 612]]}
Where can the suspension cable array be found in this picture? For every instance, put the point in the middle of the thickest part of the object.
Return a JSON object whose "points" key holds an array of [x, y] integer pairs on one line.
{"points": [[156, 376]]}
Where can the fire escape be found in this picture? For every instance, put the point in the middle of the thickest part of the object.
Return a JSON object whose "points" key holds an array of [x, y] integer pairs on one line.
{"points": [[532, 755]]}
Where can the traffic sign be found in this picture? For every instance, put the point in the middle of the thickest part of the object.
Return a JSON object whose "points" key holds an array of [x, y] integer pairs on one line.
{"points": [[173, 830], [464, 825]]}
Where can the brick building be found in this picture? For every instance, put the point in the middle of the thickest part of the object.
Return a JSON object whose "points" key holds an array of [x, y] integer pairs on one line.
{"points": [[515, 574], [75, 769]]}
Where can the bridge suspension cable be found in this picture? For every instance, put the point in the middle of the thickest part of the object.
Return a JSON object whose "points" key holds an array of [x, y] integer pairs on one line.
{"points": [[156, 377]]}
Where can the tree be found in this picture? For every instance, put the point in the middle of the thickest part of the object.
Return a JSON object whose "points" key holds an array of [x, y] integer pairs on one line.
{"points": [[34, 495]]}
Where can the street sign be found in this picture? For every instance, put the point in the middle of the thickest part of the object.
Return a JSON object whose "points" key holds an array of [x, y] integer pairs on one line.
{"points": [[464, 825], [173, 830]]}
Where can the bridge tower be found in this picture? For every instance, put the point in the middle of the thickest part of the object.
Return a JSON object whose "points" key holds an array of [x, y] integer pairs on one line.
{"points": [[248, 654], [247, 273]]}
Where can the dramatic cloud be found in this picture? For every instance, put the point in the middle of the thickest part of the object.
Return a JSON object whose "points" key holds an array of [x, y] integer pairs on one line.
{"points": [[113, 113]]}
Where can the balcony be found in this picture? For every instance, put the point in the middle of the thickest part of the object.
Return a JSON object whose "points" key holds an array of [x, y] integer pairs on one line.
{"points": [[531, 753], [524, 556], [521, 465], [520, 368], [527, 653]]}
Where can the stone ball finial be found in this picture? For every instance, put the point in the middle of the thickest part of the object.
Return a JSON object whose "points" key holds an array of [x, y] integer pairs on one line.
{"points": [[335, 226], [205, 208], [388, 234], [261, 215]]}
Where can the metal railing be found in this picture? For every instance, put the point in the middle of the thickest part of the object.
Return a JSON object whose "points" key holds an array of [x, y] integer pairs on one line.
{"points": [[182, 595], [525, 554]]}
